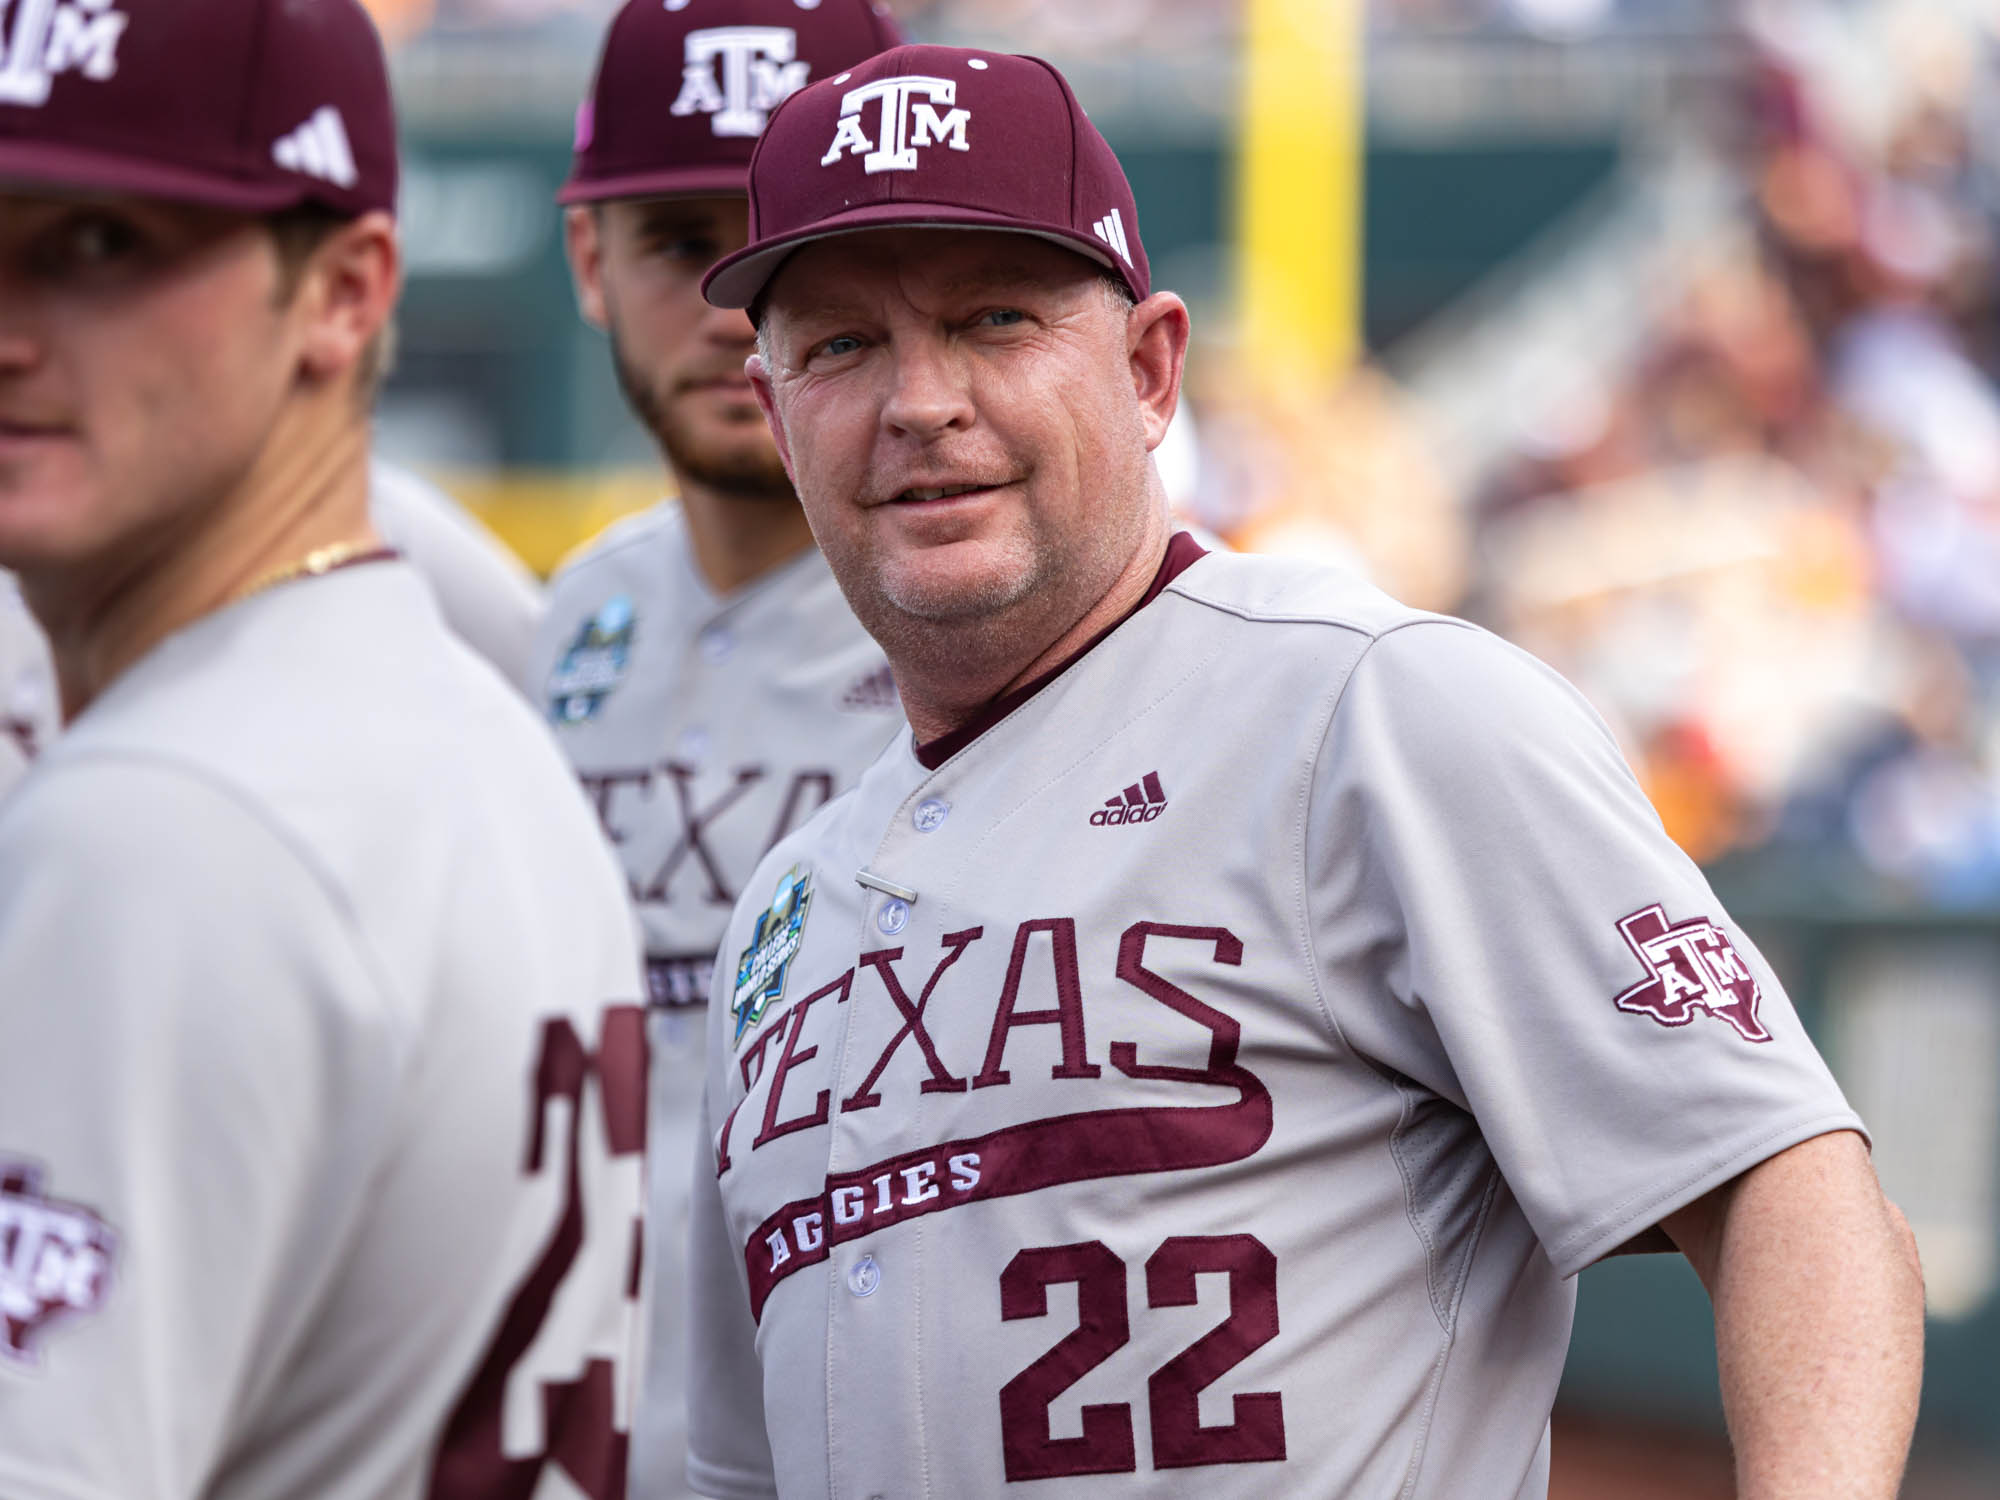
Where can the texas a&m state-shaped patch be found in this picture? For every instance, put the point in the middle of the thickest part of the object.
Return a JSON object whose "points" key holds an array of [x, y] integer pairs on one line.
{"points": [[1690, 966], [55, 1261]]}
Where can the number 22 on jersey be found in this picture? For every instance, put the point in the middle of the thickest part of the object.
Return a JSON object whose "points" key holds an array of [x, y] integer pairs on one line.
{"points": [[1103, 1326]]}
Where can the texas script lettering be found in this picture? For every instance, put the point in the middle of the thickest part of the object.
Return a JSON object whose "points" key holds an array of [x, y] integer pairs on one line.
{"points": [[1020, 1158]]}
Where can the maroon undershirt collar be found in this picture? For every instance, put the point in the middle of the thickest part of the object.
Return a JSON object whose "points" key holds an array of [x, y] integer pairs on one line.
{"points": [[1182, 551]]}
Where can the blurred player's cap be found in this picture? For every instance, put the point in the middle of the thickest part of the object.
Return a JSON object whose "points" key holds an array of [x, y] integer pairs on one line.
{"points": [[684, 87], [934, 137], [254, 105]]}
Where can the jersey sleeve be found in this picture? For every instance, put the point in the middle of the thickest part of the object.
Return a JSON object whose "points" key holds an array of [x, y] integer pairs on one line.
{"points": [[1498, 916], [187, 1034], [729, 1451], [487, 597]]}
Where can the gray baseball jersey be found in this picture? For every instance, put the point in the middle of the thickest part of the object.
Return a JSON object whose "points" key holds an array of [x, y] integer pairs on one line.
{"points": [[321, 1078], [29, 712], [704, 728], [1203, 1079]]}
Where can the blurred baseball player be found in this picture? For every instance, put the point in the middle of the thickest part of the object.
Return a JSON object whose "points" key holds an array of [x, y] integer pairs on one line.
{"points": [[701, 669], [321, 1057], [1194, 1063], [488, 599]]}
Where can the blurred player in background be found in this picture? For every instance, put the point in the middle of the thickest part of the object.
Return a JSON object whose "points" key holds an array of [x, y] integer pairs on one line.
{"points": [[321, 1056], [698, 663], [486, 595]]}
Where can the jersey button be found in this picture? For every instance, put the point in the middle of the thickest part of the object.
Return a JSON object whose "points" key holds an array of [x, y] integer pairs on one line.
{"points": [[865, 1277], [716, 643], [894, 916], [692, 746], [930, 814]]}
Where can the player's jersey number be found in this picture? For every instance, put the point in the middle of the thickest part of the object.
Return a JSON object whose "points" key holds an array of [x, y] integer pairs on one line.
{"points": [[1173, 1393], [580, 1436]]}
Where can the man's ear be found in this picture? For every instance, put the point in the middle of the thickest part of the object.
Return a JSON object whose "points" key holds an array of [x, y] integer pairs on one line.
{"points": [[760, 383], [348, 293], [583, 242], [1156, 344]]}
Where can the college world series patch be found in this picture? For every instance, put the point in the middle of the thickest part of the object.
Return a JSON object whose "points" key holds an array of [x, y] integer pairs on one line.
{"points": [[595, 663], [774, 943]]}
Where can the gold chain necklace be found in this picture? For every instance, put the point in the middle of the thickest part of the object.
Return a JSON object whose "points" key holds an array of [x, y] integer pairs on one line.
{"points": [[317, 563]]}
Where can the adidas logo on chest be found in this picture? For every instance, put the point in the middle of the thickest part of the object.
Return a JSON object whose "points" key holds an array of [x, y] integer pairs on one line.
{"points": [[1141, 802]]}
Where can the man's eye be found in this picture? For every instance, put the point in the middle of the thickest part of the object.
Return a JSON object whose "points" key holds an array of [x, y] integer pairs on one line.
{"points": [[845, 343], [1004, 317], [688, 247], [93, 240]]}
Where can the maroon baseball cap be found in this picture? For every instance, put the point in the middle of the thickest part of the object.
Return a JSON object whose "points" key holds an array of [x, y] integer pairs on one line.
{"points": [[934, 137], [684, 88], [255, 105]]}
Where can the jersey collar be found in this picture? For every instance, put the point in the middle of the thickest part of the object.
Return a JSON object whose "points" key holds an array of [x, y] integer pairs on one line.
{"points": [[1182, 552]]}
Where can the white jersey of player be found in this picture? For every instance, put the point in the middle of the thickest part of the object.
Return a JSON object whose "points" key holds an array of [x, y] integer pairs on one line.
{"points": [[704, 727], [490, 600], [1203, 1080], [321, 1078], [29, 712]]}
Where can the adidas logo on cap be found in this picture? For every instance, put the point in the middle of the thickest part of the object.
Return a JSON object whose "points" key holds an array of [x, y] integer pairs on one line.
{"points": [[1111, 229], [1140, 802], [319, 148]]}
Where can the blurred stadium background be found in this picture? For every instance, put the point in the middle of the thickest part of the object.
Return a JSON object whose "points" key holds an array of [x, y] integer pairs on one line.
{"points": [[1659, 335]]}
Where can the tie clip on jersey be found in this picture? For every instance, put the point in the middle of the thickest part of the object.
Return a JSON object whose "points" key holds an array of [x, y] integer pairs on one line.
{"points": [[319, 562], [895, 913]]}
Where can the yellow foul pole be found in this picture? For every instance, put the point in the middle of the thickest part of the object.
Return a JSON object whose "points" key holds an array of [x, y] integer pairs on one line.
{"points": [[1299, 189]]}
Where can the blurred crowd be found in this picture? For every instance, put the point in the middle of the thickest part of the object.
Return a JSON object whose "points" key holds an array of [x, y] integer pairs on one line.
{"points": [[1558, 20], [1186, 27], [1060, 27], [1771, 552]]}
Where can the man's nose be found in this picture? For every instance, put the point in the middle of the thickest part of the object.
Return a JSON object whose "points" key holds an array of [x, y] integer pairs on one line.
{"points": [[929, 396], [20, 345]]}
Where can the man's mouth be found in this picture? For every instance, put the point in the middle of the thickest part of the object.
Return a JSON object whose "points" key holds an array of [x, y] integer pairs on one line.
{"points": [[11, 428], [939, 492]]}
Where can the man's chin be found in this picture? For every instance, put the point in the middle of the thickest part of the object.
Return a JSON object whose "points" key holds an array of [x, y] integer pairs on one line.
{"points": [[749, 471], [38, 527], [957, 584]]}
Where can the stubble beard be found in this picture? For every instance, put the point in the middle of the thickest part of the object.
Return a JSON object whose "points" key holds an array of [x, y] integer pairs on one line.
{"points": [[749, 470], [980, 623]]}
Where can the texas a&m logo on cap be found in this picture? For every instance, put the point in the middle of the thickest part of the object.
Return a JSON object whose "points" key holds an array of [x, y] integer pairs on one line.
{"points": [[48, 38], [55, 1261], [1690, 966], [736, 75], [913, 112]]}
